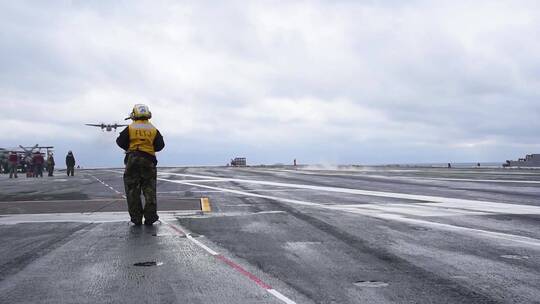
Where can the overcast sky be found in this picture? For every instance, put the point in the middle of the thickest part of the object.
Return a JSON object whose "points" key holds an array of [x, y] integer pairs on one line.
{"points": [[349, 82]]}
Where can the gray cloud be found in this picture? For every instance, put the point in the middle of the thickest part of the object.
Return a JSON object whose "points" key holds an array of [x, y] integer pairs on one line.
{"points": [[324, 81]]}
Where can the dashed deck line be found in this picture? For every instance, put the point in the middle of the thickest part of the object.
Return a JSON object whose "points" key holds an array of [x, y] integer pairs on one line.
{"points": [[108, 186]]}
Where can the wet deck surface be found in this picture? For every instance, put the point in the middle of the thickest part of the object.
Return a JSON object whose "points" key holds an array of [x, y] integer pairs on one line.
{"points": [[89, 206], [276, 235]]}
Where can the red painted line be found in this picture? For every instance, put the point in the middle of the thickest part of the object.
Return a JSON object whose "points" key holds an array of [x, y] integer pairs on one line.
{"points": [[233, 265], [244, 272]]}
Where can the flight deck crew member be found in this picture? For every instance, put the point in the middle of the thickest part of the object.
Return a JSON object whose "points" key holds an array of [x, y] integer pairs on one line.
{"points": [[50, 164], [70, 163], [13, 160], [38, 161], [29, 166], [141, 140]]}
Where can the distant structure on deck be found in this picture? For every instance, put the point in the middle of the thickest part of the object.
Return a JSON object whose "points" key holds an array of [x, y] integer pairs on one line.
{"points": [[238, 162], [531, 160]]}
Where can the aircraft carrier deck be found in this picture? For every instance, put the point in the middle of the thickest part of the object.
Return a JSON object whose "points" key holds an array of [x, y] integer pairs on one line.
{"points": [[275, 235]]}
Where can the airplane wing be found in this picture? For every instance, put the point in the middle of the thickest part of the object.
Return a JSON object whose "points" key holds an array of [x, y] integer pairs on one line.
{"points": [[26, 149], [117, 125], [95, 125]]}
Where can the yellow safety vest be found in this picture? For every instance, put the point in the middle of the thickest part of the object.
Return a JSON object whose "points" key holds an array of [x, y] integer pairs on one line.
{"points": [[141, 136]]}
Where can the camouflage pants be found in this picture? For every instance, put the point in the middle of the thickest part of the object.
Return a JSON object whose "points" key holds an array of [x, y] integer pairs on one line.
{"points": [[38, 170], [70, 170], [12, 170], [140, 175]]}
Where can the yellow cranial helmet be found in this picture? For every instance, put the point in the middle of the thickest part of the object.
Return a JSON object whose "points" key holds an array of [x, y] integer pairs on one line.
{"points": [[140, 111]]}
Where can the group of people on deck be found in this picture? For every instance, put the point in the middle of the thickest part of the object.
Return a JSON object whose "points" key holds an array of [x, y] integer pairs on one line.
{"points": [[35, 163]]}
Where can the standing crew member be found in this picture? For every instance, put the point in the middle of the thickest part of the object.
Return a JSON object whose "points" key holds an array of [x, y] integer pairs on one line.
{"points": [[38, 161], [50, 164], [141, 140], [4, 163], [70, 163], [28, 160], [13, 160]]}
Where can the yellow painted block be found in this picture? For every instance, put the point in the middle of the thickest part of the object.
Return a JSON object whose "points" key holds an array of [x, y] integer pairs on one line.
{"points": [[205, 204]]}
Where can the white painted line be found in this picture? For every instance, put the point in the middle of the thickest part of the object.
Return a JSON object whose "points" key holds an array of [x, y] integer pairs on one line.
{"points": [[383, 215], [502, 172], [364, 172], [184, 191], [96, 217], [485, 180], [93, 217], [489, 207], [66, 200], [203, 246], [239, 205], [451, 205], [204, 191], [427, 179], [504, 236], [280, 296], [426, 198], [273, 190], [203, 180], [250, 190], [270, 212], [441, 202], [407, 209], [298, 202], [440, 209]]}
